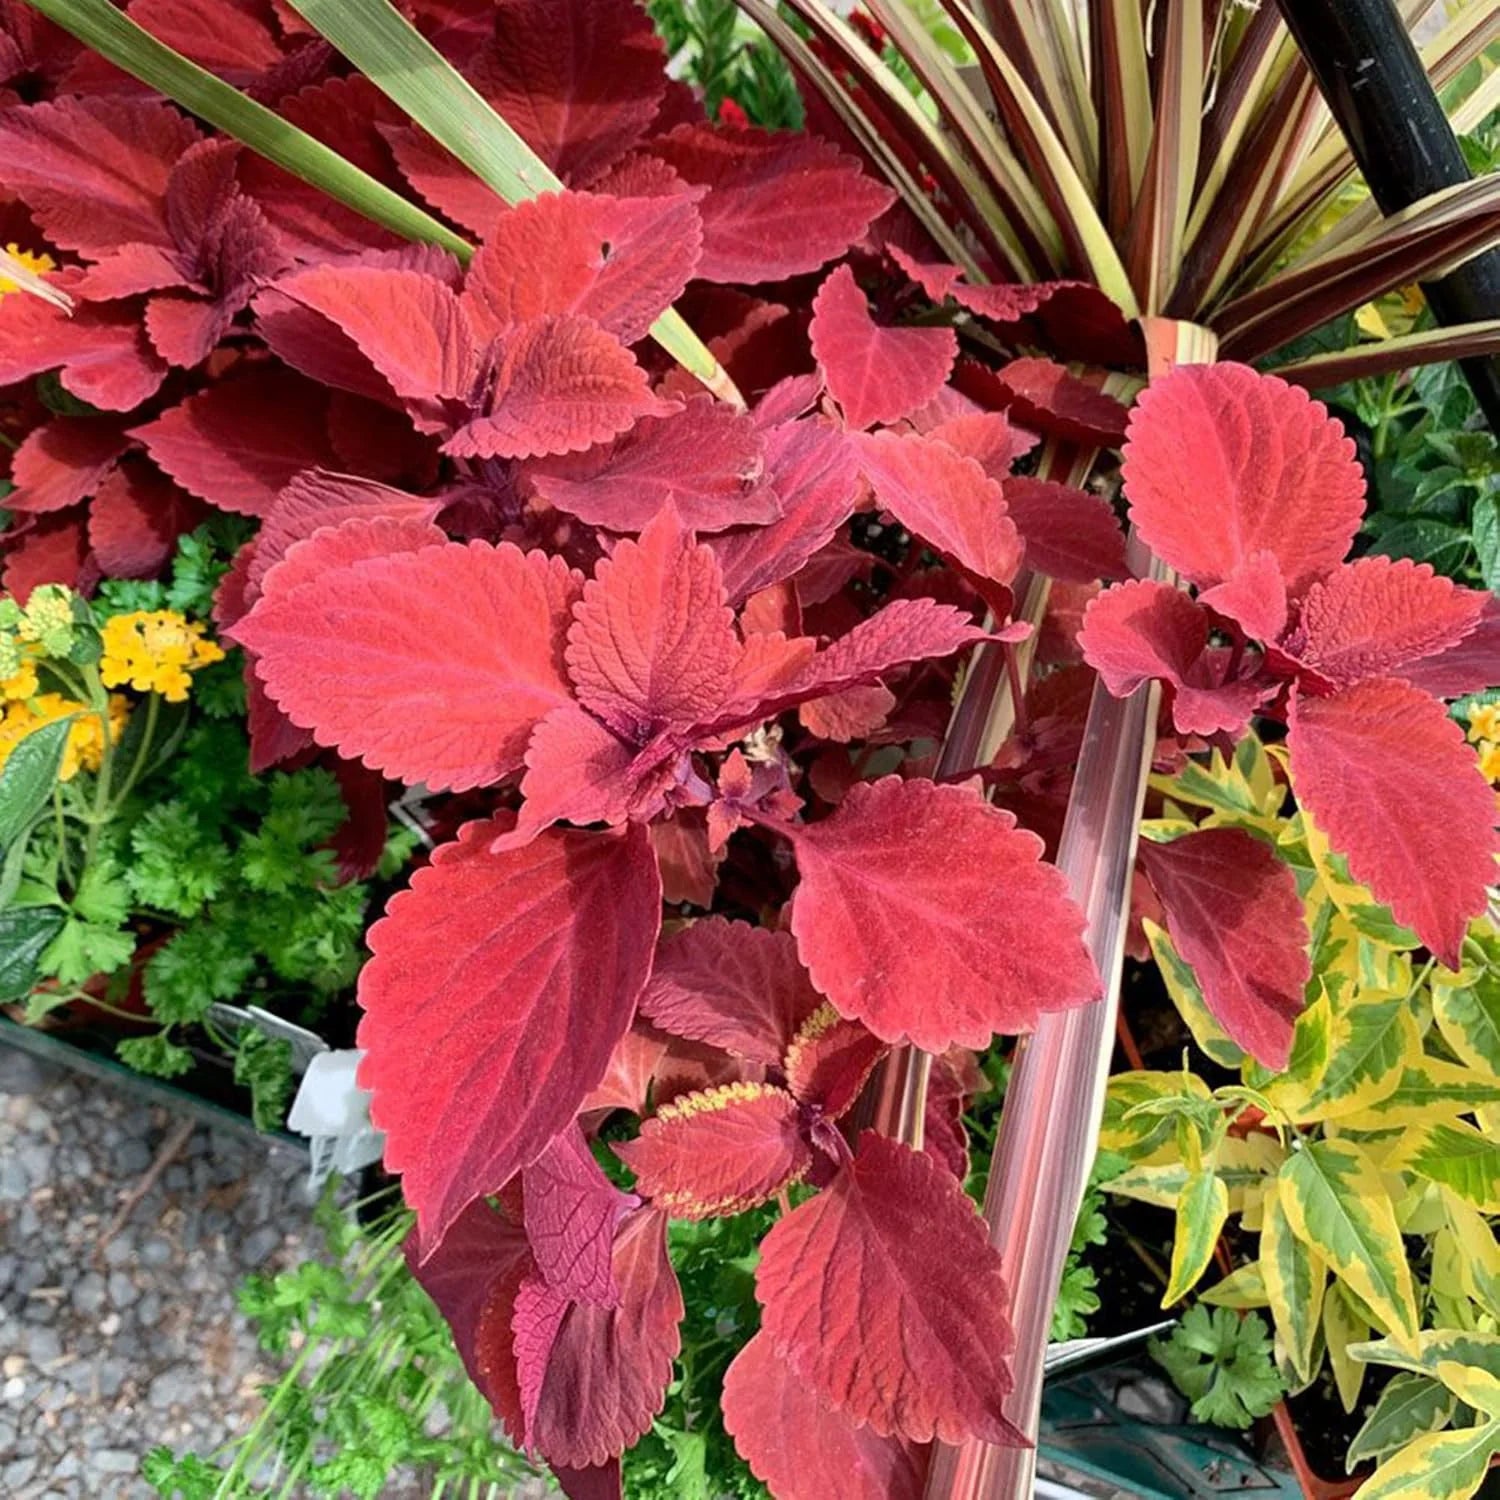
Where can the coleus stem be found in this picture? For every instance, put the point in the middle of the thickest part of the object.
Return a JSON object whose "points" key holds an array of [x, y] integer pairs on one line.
{"points": [[1049, 1128]]}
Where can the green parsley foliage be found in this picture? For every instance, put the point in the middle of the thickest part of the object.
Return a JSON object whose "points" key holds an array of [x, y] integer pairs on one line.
{"points": [[178, 865], [263, 1064], [157, 1055], [1223, 1363], [202, 559]]}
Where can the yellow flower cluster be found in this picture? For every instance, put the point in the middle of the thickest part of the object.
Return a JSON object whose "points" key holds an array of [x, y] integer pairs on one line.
{"points": [[1484, 731], [40, 263], [154, 651], [23, 709]]}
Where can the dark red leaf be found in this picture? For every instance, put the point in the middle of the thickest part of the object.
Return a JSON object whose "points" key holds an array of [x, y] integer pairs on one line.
{"points": [[54, 550], [719, 1152], [689, 868], [1070, 534], [1472, 664], [707, 458], [498, 987], [1386, 774], [453, 717], [579, 771], [777, 204], [135, 521], [1048, 397], [851, 714], [620, 261], [572, 1209], [596, 1482], [927, 914], [886, 1296], [1276, 470], [100, 348], [535, 1320], [875, 373], [1234, 914], [800, 1447], [360, 840], [62, 462], [830, 1059]]}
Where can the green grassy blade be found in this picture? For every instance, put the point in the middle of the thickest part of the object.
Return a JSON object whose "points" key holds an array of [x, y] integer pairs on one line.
{"points": [[405, 66], [114, 35]]}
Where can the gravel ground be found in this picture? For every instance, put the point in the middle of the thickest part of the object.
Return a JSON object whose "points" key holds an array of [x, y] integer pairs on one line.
{"points": [[107, 1351]]}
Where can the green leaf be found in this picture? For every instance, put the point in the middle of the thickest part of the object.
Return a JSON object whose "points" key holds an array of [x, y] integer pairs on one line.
{"points": [[1433, 1347], [1469, 1019], [1222, 1363], [179, 864], [29, 775], [12, 867], [1460, 1157], [1486, 527], [1409, 1406], [1435, 542], [1337, 1204], [157, 1055], [84, 949], [1371, 1041], [1442, 1466], [1344, 1327], [1430, 1089], [1295, 1277], [1202, 1208], [25, 932], [263, 1064], [198, 965]]}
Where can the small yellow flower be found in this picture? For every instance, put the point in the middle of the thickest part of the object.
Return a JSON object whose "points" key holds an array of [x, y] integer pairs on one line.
{"points": [[154, 651], [22, 685], [40, 263], [85, 747], [1489, 761], [1484, 721]]}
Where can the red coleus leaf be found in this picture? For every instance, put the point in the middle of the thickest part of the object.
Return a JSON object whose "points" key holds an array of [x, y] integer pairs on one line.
{"points": [[734, 986], [536, 1316], [1375, 616], [777, 204], [1385, 773], [360, 840], [238, 442], [885, 1294], [135, 521], [947, 501], [620, 261], [1253, 596], [853, 714], [1234, 914], [875, 373], [1472, 664], [562, 384], [815, 474], [1278, 471], [829, 1060], [800, 1447], [719, 1152], [93, 171], [54, 550], [1069, 534], [1143, 629], [689, 866], [581, 83], [707, 458], [62, 462], [572, 1209], [579, 771], [1048, 397], [927, 914], [446, 657], [988, 437], [653, 643], [607, 1369], [596, 1482], [101, 350], [498, 988]]}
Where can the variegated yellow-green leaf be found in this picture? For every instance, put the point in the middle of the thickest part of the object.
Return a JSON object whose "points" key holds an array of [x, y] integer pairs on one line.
{"points": [[1460, 1157], [1469, 1018], [1141, 1136], [1337, 1204], [1365, 913], [1444, 1466], [1188, 998], [1245, 788], [1243, 1166], [1430, 1089], [1371, 1043], [1343, 1326], [1202, 1208], [1409, 1406], [1312, 1039], [1461, 1345], [1474, 1387], [1294, 1275], [1242, 1288], [1479, 1257]]}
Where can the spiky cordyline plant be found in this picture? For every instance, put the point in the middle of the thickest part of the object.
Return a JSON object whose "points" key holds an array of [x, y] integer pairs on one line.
{"points": [[1175, 155]]}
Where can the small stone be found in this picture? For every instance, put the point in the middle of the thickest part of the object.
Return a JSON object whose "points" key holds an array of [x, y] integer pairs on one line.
{"points": [[111, 1374], [13, 1365], [89, 1293], [113, 1460], [175, 1387], [148, 1313], [14, 1184], [20, 1072], [259, 1245], [109, 1324], [43, 1346], [131, 1157], [13, 1389], [156, 1251], [122, 1290], [17, 1473], [119, 1251]]}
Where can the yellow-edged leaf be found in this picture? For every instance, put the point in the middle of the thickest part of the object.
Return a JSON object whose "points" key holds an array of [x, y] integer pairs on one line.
{"points": [[1474, 1387], [1367, 915], [1409, 1406], [1182, 986], [1429, 1089], [1342, 1326], [1202, 1208], [1243, 787], [1371, 1043], [1143, 1135], [1295, 1275], [1469, 1018], [1443, 1466], [1242, 1288], [1337, 1204], [1243, 1166], [1292, 1089], [1479, 1257], [1460, 1345], [1459, 1157]]}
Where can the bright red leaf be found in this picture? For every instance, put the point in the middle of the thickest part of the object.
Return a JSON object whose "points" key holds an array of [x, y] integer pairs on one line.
{"points": [[1234, 914], [446, 659], [800, 1447], [101, 350], [572, 1209], [1223, 462], [498, 987], [1386, 774], [988, 437], [718, 1152], [927, 914], [875, 373], [1069, 534], [62, 462], [1049, 397], [830, 1059], [777, 204], [886, 1296], [1472, 664], [1253, 596], [734, 986]]}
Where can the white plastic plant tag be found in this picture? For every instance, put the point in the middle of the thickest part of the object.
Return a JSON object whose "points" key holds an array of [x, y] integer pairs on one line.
{"points": [[306, 1044], [333, 1112]]}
